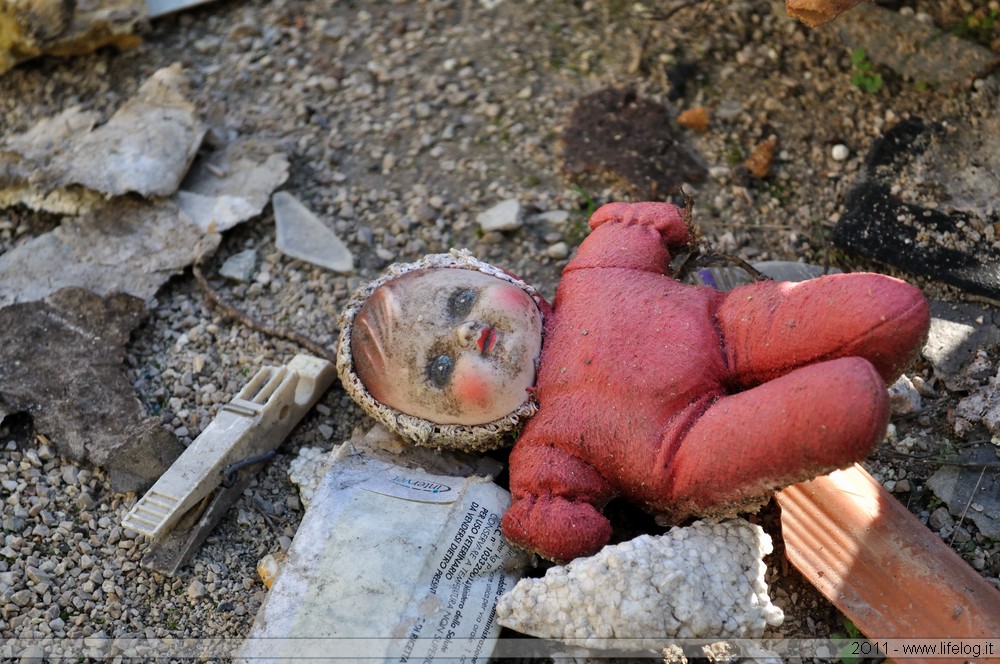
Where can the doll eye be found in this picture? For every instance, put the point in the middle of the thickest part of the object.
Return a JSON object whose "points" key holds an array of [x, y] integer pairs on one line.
{"points": [[461, 301], [439, 370]]}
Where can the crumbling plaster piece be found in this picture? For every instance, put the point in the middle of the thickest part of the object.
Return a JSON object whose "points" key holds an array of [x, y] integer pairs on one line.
{"points": [[134, 246], [67, 164]]}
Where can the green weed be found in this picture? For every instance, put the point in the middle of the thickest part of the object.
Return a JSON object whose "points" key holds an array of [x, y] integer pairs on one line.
{"points": [[978, 26], [852, 633], [865, 77]]}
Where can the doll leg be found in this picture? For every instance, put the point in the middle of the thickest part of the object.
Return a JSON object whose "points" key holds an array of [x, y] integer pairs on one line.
{"points": [[806, 423], [769, 328], [556, 502]]}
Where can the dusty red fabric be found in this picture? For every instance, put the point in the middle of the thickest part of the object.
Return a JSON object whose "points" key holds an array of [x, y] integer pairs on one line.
{"points": [[690, 401]]}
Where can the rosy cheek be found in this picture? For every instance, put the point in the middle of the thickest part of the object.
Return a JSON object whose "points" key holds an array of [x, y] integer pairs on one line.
{"points": [[513, 298], [473, 388]]}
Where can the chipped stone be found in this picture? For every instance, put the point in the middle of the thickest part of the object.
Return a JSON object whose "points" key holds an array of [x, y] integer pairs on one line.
{"points": [[240, 267]]}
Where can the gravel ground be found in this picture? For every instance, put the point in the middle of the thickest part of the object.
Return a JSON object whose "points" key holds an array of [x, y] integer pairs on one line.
{"points": [[402, 122]]}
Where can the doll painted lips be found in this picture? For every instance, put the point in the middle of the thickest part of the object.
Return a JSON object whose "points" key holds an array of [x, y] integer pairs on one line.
{"points": [[487, 340]]}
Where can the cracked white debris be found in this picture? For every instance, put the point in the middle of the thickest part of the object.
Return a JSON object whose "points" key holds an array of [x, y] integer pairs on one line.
{"points": [[703, 581]]}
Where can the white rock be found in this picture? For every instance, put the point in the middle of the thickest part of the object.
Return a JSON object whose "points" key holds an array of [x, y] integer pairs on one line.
{"points": [[505, 216], [240, 267], [840, 152], [703, 581], [903, 397], [196, 590], [307, 470], [558, 251], [554, 217]]}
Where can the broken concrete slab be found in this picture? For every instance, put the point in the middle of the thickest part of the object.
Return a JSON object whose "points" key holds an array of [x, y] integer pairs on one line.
{"points": [[301, 235], [904, 212], [614, 132], [913, 48], [60, 362], [973, 488], [958, 332], [146, 148], [134, 246], [30, 28]]}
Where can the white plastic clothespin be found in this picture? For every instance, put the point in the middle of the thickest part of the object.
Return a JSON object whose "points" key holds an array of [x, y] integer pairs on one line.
{"points": [[203, 482]]}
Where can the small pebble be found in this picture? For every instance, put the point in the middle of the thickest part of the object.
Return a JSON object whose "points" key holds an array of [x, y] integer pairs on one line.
{"points": [[840, 152], [196, 589], [558, 251], [505, 216]]}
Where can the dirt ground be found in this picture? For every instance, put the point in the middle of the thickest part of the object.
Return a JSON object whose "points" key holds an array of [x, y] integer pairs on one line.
{"points": [[402, 122]]}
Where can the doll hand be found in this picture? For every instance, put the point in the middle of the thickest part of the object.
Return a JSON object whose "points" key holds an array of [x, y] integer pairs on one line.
{"points": [[635, 236], [555, 504], [556, 528], [665, 218]]}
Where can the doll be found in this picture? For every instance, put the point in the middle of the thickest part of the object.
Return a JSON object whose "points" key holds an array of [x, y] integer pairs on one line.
{"points": [[685, 400]]}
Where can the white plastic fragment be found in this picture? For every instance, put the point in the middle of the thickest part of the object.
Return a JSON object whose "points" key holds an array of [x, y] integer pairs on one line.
{"points": [[301, 235], [702, 581], [257, 420]]}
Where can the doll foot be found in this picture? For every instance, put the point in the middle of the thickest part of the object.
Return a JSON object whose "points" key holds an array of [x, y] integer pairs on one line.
{"points": [[555, 528]]}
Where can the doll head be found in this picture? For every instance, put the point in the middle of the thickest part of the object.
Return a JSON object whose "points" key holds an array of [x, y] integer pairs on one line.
{"points": [[443, 350]]}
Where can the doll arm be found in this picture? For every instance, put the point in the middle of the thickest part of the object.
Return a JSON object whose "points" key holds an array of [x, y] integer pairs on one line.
{"points": [[556, 505], [771, 328], [636, 236]]}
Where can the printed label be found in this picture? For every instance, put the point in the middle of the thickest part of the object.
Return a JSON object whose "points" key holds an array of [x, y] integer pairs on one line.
{"points": [[414, 485], [469, 577]]}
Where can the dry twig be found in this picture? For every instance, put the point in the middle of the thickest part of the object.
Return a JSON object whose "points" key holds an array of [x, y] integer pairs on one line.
{"points": [[216, 300]]}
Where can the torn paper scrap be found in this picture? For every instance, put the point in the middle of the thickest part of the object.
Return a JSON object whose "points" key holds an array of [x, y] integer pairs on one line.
{"points": [[706, 580], [146, 147]]}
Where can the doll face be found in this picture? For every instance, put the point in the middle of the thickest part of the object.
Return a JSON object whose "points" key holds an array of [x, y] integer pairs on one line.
{"points": [[448, 345]]}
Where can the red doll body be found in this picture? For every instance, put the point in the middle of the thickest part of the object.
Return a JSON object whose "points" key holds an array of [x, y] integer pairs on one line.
{"points": [[693, 402]]}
